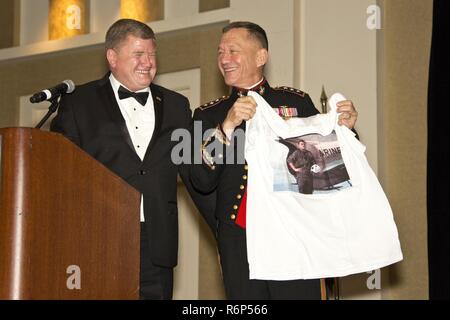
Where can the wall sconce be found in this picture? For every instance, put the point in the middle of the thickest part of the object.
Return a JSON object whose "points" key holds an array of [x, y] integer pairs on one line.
{"points": [[142, 10], [68, 18]]}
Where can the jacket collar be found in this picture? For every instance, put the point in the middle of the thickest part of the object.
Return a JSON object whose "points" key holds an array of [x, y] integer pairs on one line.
{"points": [[158, 103], [261, 88], [109, 101]]}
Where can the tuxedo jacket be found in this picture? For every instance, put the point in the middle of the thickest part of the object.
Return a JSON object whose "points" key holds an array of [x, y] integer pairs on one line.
{"points": [[90, 117]]}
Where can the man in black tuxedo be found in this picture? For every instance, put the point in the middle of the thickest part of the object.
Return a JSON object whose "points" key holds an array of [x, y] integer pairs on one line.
{"points": [[125, 122]]}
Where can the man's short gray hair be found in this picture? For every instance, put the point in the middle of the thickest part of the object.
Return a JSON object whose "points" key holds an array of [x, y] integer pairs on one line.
{"points": [[253, 30], [121, 29]]}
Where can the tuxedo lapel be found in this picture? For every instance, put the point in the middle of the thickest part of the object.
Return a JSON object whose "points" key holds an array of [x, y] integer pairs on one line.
{"points": [[108, 98], [159, 112]]}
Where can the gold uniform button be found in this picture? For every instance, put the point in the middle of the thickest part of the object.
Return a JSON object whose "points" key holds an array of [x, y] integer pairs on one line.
{"points": [[235, 207], [246, 167], [242, 187], [244, 177], [233, 216], [239, 197]]}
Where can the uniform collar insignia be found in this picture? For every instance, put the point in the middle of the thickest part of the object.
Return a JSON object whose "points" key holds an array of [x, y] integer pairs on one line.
{"points": [[260, 88]]}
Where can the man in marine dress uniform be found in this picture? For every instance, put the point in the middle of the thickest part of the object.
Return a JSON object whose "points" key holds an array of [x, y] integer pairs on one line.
{"points": [[242, 54]]}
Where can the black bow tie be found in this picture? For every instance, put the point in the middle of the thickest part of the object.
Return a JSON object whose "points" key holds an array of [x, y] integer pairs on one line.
{"points": [[140, 97]]}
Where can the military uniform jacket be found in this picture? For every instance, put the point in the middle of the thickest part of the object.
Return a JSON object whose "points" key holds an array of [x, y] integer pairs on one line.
{"points": [[216, 174]]}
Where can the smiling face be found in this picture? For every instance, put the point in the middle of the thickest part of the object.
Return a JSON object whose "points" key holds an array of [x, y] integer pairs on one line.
{"points": [[241, 58], [133, 62]]}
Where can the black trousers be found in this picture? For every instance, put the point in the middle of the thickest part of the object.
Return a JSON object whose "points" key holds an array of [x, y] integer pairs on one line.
{"points": [[156, 283], [235, 271], [305, 183]]}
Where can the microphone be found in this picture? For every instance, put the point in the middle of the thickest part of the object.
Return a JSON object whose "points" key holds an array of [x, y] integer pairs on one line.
{"points": [[67, 86]]}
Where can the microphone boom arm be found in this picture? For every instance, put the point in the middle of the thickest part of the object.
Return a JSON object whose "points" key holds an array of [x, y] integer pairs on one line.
{"points": [[52, 109]]}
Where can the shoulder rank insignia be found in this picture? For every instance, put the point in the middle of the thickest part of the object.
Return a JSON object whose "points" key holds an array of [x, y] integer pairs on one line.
{"points": [[292, 90], [213, 103]]}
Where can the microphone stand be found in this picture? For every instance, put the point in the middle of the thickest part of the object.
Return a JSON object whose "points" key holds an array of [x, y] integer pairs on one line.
{"points": [[52, 109]]}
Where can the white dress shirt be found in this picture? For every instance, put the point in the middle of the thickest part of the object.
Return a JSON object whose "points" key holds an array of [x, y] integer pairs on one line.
{"points": [[140, 121]]}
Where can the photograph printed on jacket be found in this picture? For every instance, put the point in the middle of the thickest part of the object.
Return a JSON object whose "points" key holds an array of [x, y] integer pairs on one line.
{"points": [[311, 164]]}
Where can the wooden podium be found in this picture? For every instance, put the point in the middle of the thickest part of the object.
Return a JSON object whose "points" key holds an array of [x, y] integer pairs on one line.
{"points": [[69, 227]]}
